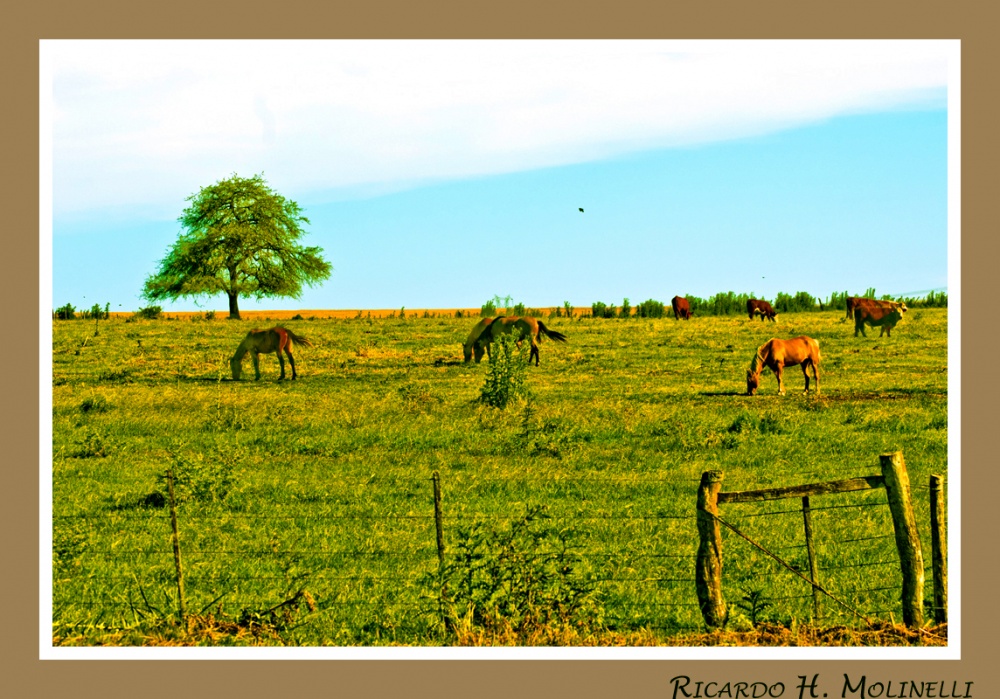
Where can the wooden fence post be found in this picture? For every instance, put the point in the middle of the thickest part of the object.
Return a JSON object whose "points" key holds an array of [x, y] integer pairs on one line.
{"points": [[177, 547], [708, 568], [811, 552], [904, 523], [439, 528], [939, 551]]}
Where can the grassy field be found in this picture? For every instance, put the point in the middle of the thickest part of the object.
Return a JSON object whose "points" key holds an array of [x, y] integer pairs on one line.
{"points": [[306, 509]]}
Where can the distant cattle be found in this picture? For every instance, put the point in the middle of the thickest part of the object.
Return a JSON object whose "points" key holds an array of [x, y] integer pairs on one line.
{"points": [[877, 316], [682, 309], [763, 307], [855, 301]]}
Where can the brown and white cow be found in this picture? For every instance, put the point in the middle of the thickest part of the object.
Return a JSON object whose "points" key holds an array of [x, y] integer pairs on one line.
{"points": [[765, 309], [855, 301], [877, 316], [682, 309]]}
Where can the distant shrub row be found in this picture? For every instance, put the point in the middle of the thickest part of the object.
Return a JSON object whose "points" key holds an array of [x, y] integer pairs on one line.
{"points": [[730, 303], [95, 312]]}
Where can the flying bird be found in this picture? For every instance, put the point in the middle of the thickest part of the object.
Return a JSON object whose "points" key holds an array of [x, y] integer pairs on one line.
{"points": [[581, 211]]}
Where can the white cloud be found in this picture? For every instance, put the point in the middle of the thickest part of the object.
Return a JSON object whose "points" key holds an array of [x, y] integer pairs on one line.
{"points": [[146, 123]]}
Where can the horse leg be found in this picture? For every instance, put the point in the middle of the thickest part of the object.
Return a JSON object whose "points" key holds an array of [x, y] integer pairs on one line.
{"points": [[291, 360], [281, 361], [805, 372], [534, 353], [815, 367], [779, 372], [256, 364]]}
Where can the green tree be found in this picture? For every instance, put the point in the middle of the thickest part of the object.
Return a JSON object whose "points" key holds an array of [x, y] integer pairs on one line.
{"points": [[240, 239]]}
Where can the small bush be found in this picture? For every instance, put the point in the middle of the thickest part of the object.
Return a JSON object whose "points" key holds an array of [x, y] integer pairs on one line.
{"points": [[599, 309], [626, 310], [202, 480], [67, 312], [505, 378], [488, 310], [150, 312], [92, 446], [801, 302], [524, 576], [649, 309]]}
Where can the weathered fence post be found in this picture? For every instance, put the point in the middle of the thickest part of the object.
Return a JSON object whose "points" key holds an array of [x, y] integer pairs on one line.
{"points": [[811, 552], [708, 568], [904, 523], [439, 528], [939, 551], [177, 547]]}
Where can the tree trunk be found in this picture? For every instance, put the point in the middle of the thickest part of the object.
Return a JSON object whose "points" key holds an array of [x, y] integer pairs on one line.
{"points": [[234, 307]]}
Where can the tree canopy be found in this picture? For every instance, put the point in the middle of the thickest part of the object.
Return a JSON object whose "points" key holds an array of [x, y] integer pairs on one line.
{"points": [[240, 238]]}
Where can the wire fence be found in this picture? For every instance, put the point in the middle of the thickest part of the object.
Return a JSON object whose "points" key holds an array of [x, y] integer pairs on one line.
{"points": [[366, 553]]}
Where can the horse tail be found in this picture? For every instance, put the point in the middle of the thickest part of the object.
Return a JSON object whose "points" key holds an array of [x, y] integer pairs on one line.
{"points": [[298, 339], [557, 336]]}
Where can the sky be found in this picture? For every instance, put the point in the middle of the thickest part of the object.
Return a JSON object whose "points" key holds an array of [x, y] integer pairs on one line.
{"points": [[439, 174]]}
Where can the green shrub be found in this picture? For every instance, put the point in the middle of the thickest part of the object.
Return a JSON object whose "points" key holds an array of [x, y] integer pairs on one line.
{"points": [[67, 312], [650, 309], [150, 312], [800, 303], [599, 309], [626, 308], [524, 576], [201, 479], [505, 378]]}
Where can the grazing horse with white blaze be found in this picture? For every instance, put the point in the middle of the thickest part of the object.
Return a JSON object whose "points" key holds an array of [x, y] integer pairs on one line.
{"points": [[776, 354], [276, 339]]}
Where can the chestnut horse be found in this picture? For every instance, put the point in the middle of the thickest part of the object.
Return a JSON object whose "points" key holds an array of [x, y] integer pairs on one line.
{"points": [[522, 327], [776, 354], [276, 339], [474, 344]]}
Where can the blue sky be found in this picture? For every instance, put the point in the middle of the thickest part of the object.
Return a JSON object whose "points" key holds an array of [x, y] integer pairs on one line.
{"points": [[440, 174]]}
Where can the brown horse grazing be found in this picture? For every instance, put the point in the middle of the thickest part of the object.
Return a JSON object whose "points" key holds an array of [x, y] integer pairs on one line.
{"points": [[277, 339], [765, 309], [521, 327], [776, 354], [474, 344], [682, 309]]}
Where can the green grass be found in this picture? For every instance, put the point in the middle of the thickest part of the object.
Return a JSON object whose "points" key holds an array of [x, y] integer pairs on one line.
{"points": [[324, 484]]}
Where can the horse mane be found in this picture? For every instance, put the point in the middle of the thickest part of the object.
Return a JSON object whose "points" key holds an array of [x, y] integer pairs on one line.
{"points": [[757, 363]]}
